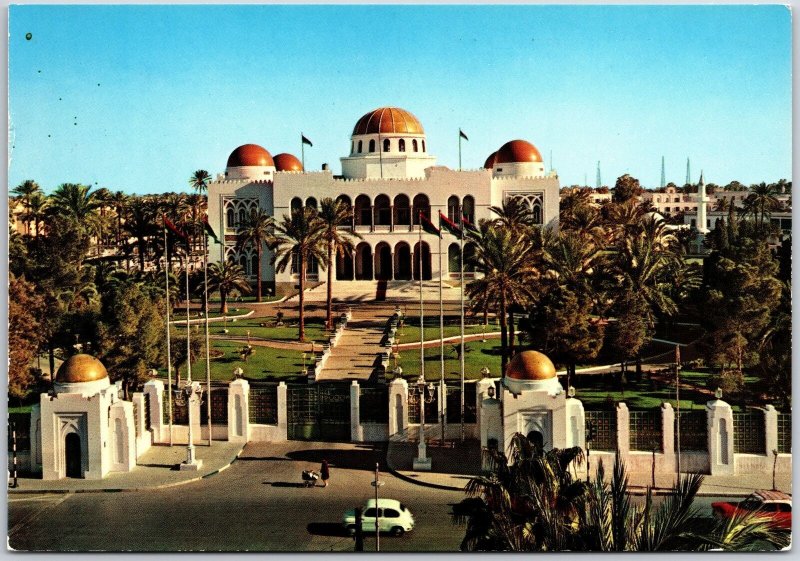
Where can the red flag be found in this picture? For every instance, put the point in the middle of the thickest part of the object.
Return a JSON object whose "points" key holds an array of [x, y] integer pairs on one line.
{"points": [[175, 230]]}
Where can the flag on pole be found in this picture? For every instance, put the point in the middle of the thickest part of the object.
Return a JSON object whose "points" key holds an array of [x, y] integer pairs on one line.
{"points": [[462, 135], [469, 228], [428, 227], [450, 226], [304, 140], [209, 230], [176, 231]]}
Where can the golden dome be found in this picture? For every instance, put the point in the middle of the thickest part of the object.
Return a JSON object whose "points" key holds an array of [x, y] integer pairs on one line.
{"points": [[517, 151], [489, 163], [388, 120], [287, 162], [81, 368], [250, 155], [530, 365]]}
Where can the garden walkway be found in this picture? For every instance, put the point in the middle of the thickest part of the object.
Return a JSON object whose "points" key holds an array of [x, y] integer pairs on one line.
{"points": [[355, 355]]}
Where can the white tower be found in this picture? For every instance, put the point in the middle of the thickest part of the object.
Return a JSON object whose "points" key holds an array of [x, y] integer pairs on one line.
{"points": [[702, 203]]}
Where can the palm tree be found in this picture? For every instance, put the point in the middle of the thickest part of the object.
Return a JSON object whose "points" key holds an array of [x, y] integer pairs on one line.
{"points": [[300, 236], [506, 260], [587, 222], [334, 214], [37, 211], [761, 202], [77, 203], [256, 231], [528, 500], [199, 181], [140, 223], [513, 213], [26, 190], [226, 277], [120, 201]]}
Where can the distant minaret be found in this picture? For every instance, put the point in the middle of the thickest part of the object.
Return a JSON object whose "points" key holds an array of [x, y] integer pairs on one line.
{"points": [[599, 181], [688, 172], [663, 174], [702, 203]]}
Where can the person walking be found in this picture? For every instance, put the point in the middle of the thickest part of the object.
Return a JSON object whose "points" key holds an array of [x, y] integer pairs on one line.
{"points": [[325, 473]]}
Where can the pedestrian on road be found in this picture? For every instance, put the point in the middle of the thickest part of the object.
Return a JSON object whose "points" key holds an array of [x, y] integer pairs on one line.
{"points": [[325, 473]]}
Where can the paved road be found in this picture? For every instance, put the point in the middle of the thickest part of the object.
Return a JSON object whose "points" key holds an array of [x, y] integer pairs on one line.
{"points": [[255, 505]]}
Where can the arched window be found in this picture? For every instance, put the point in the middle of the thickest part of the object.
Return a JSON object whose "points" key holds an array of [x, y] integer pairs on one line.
{"points": [[414, 145], [468, 208], [386, 145], [254, 264], [353, 147], [537, 213], [372, 145], [469, 257], [363, 211], [311, 202], [402, 211], [297, 203], [360, 146], [401, 145], [421, 204], [423, 145], [243, 262], [229, 220], [383, 210], [452, 209], [241, 217], [453, 258]]}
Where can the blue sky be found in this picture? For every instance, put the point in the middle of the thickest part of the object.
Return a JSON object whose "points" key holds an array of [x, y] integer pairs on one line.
{"points": [[136, 98]]}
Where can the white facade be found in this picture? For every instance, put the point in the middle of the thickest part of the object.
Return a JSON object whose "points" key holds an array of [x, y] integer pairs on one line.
{"points": [[388, 178]]}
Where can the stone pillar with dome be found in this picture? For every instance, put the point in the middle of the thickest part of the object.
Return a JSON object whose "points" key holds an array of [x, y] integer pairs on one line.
{"points": [[531, 401], [82, 428]]}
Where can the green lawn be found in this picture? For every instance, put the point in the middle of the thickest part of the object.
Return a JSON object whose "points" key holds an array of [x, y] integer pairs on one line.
{"points": [[315, 329], [477, 356], [264, 363], [599, 391]]}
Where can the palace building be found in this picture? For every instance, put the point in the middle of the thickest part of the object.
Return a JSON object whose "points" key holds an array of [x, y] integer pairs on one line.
{"points": [[389, 177]]}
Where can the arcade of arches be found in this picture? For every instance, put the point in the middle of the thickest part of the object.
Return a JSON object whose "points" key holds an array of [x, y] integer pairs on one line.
{"points": [[401, 262]]}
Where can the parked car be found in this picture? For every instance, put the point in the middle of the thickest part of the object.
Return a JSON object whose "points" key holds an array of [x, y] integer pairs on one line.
{"points": [[393, 517], [776, 505]]}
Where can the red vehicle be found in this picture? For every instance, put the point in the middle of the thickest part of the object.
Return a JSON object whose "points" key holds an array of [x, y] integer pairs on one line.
{"points": [[776, 505]]}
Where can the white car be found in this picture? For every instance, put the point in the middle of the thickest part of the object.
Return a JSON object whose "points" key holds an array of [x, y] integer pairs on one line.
{"points": [[393, 517]]}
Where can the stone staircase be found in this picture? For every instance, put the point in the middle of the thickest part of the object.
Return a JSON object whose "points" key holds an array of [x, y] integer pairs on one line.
{"points": [[356, 355]]}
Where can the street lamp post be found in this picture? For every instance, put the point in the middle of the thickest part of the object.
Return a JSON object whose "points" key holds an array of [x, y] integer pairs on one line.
{"points": [[422, 462], [377, 484], [192, 392]]}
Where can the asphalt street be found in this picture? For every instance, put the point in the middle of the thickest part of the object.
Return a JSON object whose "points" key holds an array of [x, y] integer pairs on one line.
{"points": [[258, 504]]}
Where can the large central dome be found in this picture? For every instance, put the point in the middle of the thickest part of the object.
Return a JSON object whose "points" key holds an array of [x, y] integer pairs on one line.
{"points": [[250, 155], [388, 120]]}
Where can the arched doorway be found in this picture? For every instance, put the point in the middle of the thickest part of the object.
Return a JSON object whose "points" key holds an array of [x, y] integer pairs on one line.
{"points": [[383, 211], [344, 266], [383, 261], [425, 254], [452, 209], [402, 211], [363, 211], [536, 438], [311, 202], [72, 455], [402, 261], [363, 262], [469, 257], [423, 205], [345, 200], [453, 258]]}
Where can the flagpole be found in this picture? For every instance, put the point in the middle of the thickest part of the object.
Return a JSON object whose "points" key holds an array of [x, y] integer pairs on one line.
{"points": [[459, 149], [421, 333], [461, 266], [188, 331], [208, 351], [678, 408], [169, 355], [302, 151], [443, 386]]}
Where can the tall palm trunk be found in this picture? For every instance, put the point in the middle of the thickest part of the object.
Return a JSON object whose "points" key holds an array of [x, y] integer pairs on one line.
{"points": [[329, 313], [302, 298], [142, 245], [503, 334], [223, 297], [258, 274], [511, 334]]}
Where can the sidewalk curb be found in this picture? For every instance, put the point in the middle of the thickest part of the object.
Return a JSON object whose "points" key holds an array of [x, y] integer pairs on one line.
{"points": [[126, 489], [408, 479]]}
